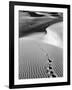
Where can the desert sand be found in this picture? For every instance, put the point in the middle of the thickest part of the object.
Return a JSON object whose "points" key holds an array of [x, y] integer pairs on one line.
{"points": [[36, 48]]}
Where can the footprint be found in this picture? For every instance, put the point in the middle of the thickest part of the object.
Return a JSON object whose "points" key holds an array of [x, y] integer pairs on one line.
{"points": [[51, 72], [50, 67], [49, 60], [53, 75]]}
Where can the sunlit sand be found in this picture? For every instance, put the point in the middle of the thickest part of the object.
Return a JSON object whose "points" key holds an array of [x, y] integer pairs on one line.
{"points": [[34, 48]]}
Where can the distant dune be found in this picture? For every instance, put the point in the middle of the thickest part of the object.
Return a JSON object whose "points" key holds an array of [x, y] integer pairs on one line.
{"points": [[29, 24]]}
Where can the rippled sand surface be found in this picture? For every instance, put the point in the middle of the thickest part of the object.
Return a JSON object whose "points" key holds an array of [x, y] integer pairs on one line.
{"points": [[34, 51]]}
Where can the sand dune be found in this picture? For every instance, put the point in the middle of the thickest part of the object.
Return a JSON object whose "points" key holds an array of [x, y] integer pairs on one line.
{"points": [[28, 24], [33, 50], [44, 42]]}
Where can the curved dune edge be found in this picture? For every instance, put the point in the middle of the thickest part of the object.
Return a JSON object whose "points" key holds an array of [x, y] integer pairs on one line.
{"points": [[54, 35], [28, 25]]}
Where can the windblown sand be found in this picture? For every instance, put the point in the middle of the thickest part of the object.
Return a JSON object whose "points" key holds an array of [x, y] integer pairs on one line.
{"points": [[33, 57]]}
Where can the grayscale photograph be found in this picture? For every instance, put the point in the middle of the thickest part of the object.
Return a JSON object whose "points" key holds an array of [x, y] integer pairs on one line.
{"points": [[40, 44]]}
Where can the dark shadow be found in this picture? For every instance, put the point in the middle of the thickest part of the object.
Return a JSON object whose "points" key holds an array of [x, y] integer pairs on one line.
{"points": [[39, 28]]}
